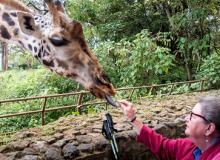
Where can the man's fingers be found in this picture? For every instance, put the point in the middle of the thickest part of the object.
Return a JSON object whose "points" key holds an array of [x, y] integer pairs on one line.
{"points": [[125, 102], [123, 106]]}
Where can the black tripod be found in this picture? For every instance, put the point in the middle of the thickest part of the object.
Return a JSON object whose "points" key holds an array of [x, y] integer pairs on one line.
{"points": [[108, 131]]}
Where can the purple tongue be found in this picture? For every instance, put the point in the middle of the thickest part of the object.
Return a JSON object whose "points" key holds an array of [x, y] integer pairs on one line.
{"points": [[111, 101]]}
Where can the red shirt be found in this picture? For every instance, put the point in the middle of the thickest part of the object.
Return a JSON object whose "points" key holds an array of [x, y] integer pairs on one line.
{"points": [[174, 149]]}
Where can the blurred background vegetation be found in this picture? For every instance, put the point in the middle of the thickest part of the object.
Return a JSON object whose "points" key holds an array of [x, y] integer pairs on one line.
{"points": [[138, 42]]}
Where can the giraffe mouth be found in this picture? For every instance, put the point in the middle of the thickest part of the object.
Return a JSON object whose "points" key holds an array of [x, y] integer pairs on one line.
{"points": [[111, 101]]}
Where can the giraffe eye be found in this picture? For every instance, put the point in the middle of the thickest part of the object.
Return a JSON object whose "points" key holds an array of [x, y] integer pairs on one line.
{"points": [[58, 42]]}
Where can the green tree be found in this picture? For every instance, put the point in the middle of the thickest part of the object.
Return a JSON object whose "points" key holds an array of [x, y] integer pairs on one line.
{"points": [[136, 61], [192, 25]]}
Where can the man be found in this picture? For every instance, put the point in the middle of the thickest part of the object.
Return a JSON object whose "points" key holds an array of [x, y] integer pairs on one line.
{"points": [[202, 131]]}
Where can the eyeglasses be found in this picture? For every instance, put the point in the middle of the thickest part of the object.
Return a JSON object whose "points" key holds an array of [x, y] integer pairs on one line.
{"points": [[198, 115]]}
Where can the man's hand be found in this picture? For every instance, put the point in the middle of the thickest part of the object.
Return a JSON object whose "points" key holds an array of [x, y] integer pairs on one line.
{"points": [[130, 112], [128, 109]]}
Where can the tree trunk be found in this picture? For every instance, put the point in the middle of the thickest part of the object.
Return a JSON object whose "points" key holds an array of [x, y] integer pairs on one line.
{"points": [[5, 53], [2, 57], [169, 16], [188, 64], [189, 71]]}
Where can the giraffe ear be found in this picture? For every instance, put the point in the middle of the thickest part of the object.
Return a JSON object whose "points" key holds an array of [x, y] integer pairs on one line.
{"points": [[27, 24], [77, 30]]}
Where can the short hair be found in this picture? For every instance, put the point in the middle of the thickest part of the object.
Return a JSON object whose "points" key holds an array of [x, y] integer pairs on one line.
{"points": [[210, 107]]}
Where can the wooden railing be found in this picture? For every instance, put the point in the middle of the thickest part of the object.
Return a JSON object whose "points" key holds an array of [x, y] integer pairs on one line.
{"points": [[80, 104]]}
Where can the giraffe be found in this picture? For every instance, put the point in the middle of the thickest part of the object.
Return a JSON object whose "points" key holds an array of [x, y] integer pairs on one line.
{"points": [[56, 41]]}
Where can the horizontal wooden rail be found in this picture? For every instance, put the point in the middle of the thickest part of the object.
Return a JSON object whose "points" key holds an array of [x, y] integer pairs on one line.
{"points": [[79, 103]]}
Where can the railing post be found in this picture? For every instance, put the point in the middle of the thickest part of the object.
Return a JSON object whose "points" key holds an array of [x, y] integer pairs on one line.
{"points": [[201, 85], [151, 89], [189, 85], [43, 111], [79, 102], [171, 89], [131, 94], [106, 106]]}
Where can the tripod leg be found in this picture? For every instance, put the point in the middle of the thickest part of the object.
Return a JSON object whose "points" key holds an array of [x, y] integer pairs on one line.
{"points": [[115, 143], [113, 149]]}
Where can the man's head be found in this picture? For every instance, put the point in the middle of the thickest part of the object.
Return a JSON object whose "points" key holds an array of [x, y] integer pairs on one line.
{"points": [[204, 120]]}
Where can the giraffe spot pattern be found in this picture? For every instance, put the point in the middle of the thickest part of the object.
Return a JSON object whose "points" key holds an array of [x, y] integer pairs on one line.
{"points": [[48, 63], [4, 32], [30, 47], [46, 53], [35, 49], [48, 48], [39, 53], [84, 46], [6, 17], [73, 75], [27, 20], [62, 64], [35, 56], [13, 14], [16, 31], [76, 61], [21, 43]]}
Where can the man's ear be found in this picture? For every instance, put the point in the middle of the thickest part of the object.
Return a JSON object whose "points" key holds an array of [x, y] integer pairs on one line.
{"points": [[27, 24], [211, 129]]}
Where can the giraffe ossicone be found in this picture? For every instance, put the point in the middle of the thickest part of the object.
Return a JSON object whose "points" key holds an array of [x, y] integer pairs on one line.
{"points": [[56, 41]]}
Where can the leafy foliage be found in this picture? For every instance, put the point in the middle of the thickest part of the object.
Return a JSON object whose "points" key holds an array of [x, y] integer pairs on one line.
{"points": [[210, 69], [135, 61], [32, 83]]}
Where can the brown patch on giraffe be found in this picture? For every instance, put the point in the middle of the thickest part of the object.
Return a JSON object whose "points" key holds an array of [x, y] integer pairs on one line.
{"points": [[30, 47], [35, 49], [48, 63], [15, 31], [62, 64], [84, 46], [46, 53], [15, 5], [21, 43], [4, 32], [72, 75], [40, 52], [77, 60], [14, 14], [6, 17], [27, 23], [35, 56]]}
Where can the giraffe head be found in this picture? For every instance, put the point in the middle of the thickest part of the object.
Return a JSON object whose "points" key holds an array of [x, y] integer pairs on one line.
{"points": [[62, 48]]}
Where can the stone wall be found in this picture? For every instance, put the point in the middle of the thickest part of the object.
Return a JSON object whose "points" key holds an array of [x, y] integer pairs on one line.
{"points": [[80, 138]]}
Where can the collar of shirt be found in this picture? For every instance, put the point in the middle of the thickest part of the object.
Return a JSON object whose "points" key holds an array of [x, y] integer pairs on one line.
{"points": [[197, 153]]}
